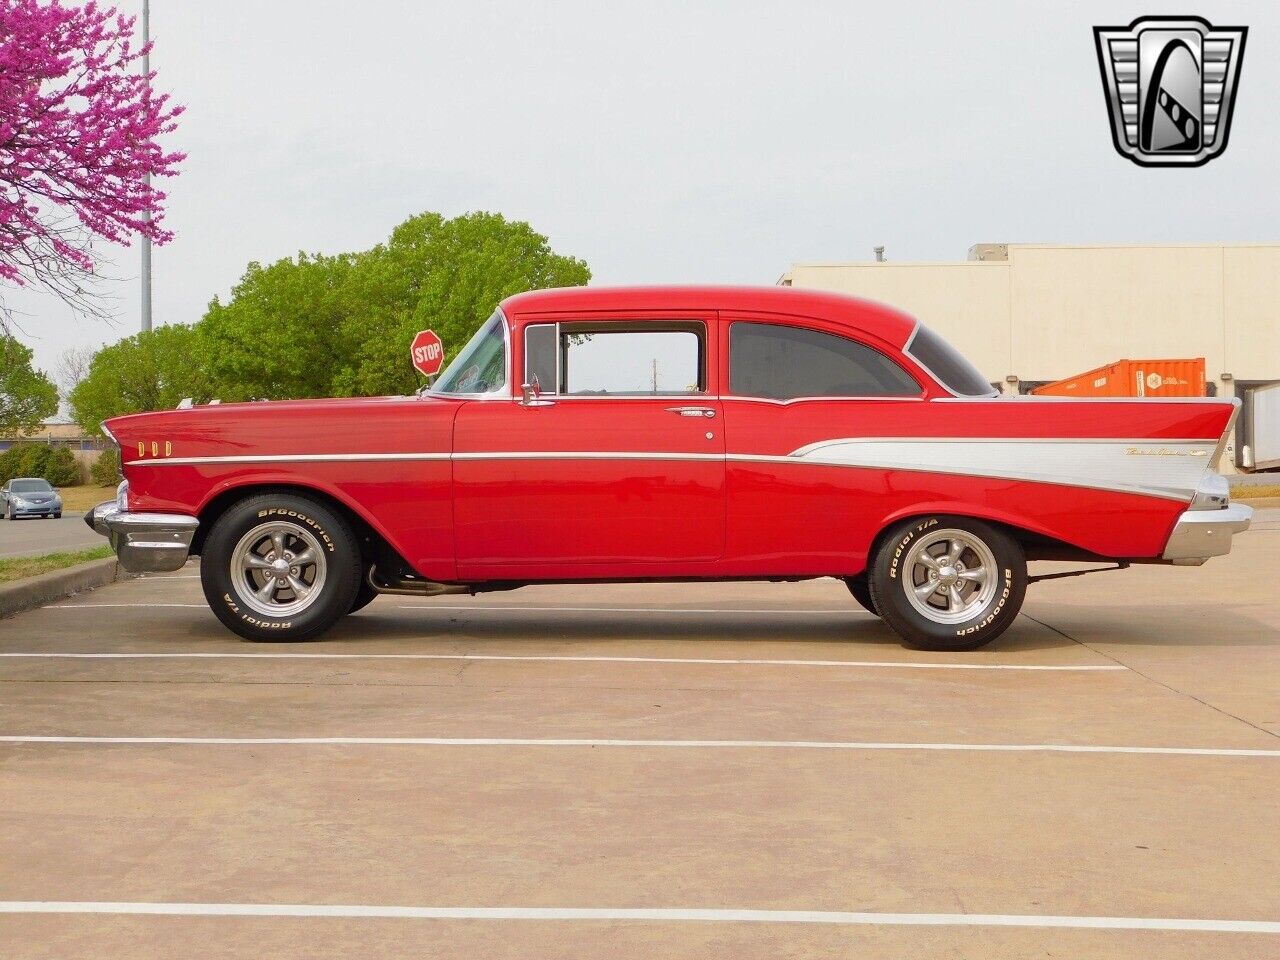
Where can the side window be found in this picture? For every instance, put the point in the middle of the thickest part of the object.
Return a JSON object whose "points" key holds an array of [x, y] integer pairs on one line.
{"points": [[782, 363], [616, 359], [540, 357]]}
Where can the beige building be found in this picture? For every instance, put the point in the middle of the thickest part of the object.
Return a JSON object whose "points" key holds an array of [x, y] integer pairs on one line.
{"points": [[1037, 312]]}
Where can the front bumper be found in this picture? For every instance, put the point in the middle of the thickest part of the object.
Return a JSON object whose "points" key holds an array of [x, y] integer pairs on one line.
{"points": [[36, 509], [1201, 534], [144, 542]]}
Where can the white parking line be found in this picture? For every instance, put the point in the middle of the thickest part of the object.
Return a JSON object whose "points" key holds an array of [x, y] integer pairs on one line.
{"points": [[889, 664], [94, 606], [646, 914], [649, 744]]}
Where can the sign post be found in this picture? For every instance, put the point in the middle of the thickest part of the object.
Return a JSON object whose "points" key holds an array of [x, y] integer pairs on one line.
{"points": [[427, 353]]}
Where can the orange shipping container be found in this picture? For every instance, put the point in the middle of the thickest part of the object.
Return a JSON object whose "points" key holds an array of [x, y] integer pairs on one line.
{"points": [[1133, 378]]}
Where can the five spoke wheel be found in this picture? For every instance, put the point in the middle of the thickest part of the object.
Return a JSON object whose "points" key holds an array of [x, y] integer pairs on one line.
{"points": [[950, 575], [280, 568]]}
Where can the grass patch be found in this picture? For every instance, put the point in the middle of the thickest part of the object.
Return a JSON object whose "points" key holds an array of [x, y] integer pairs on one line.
{"points": [[1255, 491], [85, 498], [19, 567]]}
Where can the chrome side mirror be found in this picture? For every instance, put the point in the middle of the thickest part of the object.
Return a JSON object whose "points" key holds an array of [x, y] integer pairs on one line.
{"points": [[531, 395]]}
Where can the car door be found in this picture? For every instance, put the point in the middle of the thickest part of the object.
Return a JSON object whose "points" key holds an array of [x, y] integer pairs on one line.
{"points": [[791, 383], [613, 467]]}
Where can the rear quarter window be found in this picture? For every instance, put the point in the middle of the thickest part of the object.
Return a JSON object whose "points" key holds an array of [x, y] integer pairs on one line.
{"points": [[780, 362], [947, 364]]}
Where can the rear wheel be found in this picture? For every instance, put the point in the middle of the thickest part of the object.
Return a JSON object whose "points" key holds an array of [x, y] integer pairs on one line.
{"points": [[948, 583], [280, 567]]}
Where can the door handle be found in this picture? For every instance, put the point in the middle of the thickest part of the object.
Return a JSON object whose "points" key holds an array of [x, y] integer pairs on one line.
{"points": [[692, 411]]}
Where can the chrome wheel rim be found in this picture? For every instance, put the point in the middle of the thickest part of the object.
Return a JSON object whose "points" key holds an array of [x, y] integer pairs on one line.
{"points": [[278, 568], [950, 576]]}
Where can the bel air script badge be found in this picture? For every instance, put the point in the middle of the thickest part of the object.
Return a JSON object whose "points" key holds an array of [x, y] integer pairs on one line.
{"points": [[1170, 84], [1163, 452]]}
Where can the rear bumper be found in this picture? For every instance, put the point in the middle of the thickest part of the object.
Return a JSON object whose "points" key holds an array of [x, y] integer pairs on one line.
{"points": [[144, 542], [1201, 534]]}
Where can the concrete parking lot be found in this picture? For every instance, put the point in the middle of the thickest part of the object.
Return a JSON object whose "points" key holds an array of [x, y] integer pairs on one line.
{"points": [[698, 770]]}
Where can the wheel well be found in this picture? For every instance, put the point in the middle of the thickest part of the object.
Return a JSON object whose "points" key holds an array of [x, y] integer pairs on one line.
{"points": [[373, 546], [1035, 546]]}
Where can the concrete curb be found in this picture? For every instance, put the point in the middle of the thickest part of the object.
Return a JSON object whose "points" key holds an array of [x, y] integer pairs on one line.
{"points": [[32, 592]]}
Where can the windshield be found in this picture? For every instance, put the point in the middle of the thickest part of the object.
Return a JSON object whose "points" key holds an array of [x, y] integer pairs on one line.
{"points": [[30, 486], [481, 367], [947, 364]]}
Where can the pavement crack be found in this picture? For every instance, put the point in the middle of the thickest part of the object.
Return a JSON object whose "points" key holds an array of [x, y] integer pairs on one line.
{"points": [[1159, 683]]}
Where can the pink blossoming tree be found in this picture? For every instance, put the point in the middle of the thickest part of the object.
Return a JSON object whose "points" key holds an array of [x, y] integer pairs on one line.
{"points": [[78, 136]]}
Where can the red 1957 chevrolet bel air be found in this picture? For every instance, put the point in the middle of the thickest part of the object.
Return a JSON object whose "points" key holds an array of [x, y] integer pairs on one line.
{"points": [[666, 434]]}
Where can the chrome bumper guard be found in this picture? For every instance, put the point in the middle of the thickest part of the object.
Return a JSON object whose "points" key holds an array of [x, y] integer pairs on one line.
{"points": [[1206, 529], [144, 542]]}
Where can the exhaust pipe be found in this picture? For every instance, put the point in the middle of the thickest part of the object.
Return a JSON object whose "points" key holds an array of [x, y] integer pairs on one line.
{"points": [[416, 588]]}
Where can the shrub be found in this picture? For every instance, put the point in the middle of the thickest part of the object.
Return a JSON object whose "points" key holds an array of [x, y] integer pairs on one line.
{"points": [[62, 469], [105, 471], [34, 460], [11, 462]]}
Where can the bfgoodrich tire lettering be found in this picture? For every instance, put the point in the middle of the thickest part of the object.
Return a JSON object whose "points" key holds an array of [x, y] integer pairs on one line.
{"points": [[280, 567], [948, 583]]}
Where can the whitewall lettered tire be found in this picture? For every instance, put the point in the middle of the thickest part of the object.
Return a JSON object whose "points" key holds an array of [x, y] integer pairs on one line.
{"points": [[280, 567], [948, 583]]}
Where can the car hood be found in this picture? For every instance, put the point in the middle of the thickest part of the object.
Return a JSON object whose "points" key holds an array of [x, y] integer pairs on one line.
{"points": [[305, 428]]}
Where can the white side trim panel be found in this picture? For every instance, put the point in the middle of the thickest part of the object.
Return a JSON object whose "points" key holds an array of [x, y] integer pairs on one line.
{"points": [[1159, 468]]}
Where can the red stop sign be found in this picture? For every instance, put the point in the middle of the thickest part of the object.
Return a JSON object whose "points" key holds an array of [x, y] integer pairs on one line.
{"points": [[427, 352]]}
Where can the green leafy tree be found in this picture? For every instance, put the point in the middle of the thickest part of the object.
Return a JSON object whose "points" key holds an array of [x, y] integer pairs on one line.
{"points": [[279, 337], [27, 396], [447, 275], [148, 371], [341, 326]]}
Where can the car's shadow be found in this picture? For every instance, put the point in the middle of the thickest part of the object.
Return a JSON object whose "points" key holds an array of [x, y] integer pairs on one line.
{"points": [[1164, 625], [381, 622]]}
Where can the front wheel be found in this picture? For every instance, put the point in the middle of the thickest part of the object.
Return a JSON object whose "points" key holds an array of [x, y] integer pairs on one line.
{"points": [[280, 567], [364, 596], [948, 583]]}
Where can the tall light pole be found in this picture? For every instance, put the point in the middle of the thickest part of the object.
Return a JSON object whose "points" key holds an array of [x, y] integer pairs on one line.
{"points": [[146, 241]]}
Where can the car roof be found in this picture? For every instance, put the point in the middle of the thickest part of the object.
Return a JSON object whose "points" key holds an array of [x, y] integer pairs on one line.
{"points": [[890, 325], [24, 479]]}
